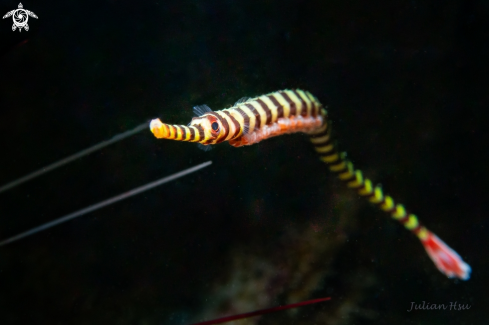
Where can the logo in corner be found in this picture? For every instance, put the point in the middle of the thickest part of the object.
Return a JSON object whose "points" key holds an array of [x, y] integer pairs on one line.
{"points": [[20, 17]]}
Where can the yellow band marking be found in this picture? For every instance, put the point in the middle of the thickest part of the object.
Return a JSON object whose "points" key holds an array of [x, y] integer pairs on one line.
{"points": [[325, 149], [367, 188], [358, 181], [322, 139], [378, 195], [412, 222], [388, 203], [423, 233], [330, 158], [337, 167], [399, 213], [271, 106]]}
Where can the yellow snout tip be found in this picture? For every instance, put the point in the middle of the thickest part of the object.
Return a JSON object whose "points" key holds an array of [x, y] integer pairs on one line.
{"points": [[158, 128]]}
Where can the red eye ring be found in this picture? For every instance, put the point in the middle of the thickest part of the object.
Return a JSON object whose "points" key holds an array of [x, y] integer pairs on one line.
{"points": [[215, 127]]}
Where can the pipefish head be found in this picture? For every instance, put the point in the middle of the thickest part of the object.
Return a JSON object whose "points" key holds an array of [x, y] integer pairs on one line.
{"points": [[212, 125]]}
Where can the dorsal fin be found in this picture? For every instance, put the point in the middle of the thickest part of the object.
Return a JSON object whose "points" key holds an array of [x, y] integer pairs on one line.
{"points": [[201, 110], [241, 100], [204, 147]]}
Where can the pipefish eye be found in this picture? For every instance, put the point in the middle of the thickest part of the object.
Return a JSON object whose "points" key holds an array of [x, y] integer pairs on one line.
{"points": [[215, 126]]}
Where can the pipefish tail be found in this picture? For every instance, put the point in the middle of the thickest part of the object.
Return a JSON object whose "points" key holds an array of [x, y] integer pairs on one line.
{"points": [[251, 120]]}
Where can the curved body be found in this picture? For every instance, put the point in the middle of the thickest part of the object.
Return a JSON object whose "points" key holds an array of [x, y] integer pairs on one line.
{"points": [[288, 111]]}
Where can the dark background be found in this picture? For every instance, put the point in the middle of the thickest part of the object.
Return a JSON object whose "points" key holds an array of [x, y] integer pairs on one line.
{"points": [[406, 83]]}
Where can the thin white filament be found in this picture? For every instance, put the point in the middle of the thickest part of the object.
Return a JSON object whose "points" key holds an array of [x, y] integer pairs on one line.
{"points": [[77, 155], [105, 203]]}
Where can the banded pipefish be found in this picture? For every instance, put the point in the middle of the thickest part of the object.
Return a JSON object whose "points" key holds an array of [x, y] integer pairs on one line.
{"points": [[251, 120]]}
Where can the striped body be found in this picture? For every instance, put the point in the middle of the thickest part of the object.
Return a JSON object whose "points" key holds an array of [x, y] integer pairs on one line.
{"points": [[251, 121], [290, 111]]}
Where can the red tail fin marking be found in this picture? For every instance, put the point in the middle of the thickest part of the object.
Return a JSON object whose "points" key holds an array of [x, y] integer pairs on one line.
{"points": [[445, 258]]}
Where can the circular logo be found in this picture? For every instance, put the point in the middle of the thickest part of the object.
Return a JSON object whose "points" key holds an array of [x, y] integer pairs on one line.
{"points": [[20, 18]]}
